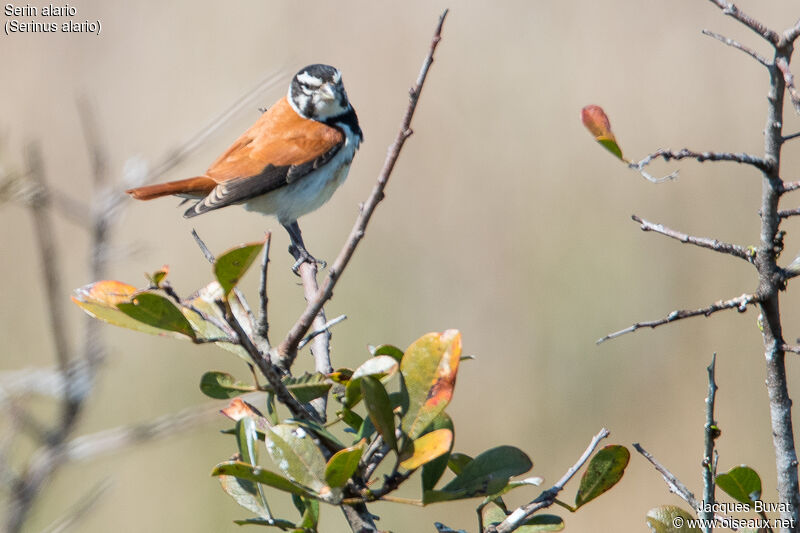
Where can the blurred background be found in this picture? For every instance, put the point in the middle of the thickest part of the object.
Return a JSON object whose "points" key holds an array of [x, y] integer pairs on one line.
{"points": [[503, 219]]}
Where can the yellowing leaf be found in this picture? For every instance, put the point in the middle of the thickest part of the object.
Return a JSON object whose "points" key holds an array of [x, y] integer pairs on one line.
{"points": [[428, 447]]}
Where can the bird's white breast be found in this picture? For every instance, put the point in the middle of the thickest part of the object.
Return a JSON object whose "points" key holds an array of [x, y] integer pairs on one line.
{"points": [[311, 191]]}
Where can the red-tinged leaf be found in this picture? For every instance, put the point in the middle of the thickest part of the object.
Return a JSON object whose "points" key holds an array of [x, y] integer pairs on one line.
{"points": [[429, 370], [239, 409], [604, 471], [428, 447], [596, 121]]}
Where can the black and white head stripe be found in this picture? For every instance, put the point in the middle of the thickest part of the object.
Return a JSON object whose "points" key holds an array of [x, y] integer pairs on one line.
{"points": [[317, 92]]}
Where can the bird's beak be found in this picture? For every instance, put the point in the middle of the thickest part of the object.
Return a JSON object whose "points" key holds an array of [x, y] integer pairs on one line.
{"points": [[327, 92]]}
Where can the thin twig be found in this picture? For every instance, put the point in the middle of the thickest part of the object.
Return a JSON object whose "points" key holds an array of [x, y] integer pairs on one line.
{"points": [[325, 327], [262, 328], [788, 78], [739, 46], [288, 348], [703, 242], [675, 485], [203, 248], [711, 432], [739, 303], [80, 509], [733, 11], [701, 157], [548, 497], [89, 447], [786, 213], [790, 348]]}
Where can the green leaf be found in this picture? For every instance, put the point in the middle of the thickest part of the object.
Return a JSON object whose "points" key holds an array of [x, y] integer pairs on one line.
{"points": [[100, 300], [379, 409], [308, 387], [433, 471], [157, 311], [604, 471], [387, 349], [247, 439], [259, 475], [231, 266], [158, 276], [310, 514], [488, 473], [429, 375], [293, 451], [324, 435], [221, 385], [667, 518], [245, 493], [741, 483], [428, 447], [276, 522], [379, 367], [351, 418], [342, 465], [458, 461]]}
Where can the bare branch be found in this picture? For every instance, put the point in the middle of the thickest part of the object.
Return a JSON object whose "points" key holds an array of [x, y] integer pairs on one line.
{"points": [[786, 213], [288, 348], [675, 485], [50, 261], [325, 327], [789, 137], [739, 46], [701, 157], [711, 432], [80, 509], [740, 304], [733, 11], [547, 498], [262, 327], [703, 242], [792, 33], [788, 78], [89, 447]]}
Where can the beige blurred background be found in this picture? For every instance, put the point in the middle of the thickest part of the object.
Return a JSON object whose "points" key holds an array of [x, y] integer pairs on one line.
{"points": [[503, 219]]}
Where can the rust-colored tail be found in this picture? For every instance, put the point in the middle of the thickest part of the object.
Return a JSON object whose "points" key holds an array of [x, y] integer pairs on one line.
{"points": [[192, 187]]}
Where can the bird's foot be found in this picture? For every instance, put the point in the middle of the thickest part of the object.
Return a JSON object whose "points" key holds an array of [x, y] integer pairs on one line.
{"points": [[303, 256]]}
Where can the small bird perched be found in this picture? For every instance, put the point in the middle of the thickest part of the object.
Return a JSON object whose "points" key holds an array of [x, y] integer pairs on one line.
{"points": [[287, 164]]}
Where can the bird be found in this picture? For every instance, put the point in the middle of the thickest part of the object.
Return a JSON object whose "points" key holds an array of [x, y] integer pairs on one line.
{"points": [[288, 164]]}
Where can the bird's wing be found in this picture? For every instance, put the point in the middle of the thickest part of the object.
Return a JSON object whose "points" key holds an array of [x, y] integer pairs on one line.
{"points": [[278, 149]]}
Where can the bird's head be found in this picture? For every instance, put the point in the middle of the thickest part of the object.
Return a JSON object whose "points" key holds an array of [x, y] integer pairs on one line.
{"points": [[317, 93]]}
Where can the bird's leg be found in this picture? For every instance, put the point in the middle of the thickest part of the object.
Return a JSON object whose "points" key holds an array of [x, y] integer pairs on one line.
{"points": [[298, 248]]}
